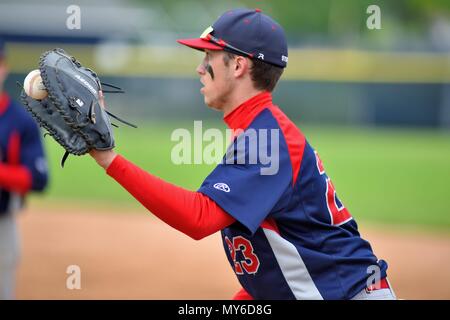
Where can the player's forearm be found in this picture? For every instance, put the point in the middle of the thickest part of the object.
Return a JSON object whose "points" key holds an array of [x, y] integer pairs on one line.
{"points": [[15, 178], [189, 212]]}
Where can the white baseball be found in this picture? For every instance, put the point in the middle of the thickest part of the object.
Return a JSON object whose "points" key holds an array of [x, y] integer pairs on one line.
{"points": [[33, 85]]}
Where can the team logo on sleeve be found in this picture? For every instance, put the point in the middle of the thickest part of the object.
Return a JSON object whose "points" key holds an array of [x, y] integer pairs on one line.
{"points": [[222, 187]]}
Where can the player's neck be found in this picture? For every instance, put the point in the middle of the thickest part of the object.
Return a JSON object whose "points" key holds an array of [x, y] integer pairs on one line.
{"points": [[239, 98]]}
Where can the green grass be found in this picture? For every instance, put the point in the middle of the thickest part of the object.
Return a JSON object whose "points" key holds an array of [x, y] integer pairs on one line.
{"points": [[388, 176], [381, 175]]}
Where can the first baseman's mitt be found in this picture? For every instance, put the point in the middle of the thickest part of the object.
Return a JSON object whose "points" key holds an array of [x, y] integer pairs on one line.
{"points": [[73, 113]]}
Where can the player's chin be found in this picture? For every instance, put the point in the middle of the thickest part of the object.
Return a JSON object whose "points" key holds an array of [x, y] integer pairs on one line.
{"points": [[210, 103], [213, 105], [206, 98], [207, 101]]}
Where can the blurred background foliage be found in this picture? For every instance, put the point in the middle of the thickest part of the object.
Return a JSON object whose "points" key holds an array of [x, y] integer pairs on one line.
{"points": [[332, 21], [316, 16]]}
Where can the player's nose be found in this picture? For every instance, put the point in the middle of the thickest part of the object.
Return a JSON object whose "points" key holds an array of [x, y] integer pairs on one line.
{"points": [[201, 70]]}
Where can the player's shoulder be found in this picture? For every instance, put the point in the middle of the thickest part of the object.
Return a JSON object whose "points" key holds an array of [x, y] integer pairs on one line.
{"points": [[264, 120], [274, 118]]}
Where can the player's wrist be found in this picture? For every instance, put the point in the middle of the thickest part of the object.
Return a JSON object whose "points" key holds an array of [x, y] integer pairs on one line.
{"points": [[103, 157]]}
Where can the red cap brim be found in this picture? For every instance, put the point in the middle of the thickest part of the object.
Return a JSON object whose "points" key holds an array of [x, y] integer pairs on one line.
{"points": [[199, 44]]}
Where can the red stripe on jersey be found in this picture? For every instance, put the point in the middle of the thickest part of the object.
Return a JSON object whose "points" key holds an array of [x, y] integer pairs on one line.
{"points": [[4, 102], [295, 140], [13, 153], [270, 224]]}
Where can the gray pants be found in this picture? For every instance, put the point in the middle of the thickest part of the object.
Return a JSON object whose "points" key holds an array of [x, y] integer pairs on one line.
{"points": [[9, 255]]}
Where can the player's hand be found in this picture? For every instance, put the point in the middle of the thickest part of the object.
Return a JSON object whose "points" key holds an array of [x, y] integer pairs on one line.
{"points": [[103, 157], [101, 99]]}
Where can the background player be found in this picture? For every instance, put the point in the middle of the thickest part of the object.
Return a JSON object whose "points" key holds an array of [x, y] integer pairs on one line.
{"points": [[23, 168], [286, 234]]}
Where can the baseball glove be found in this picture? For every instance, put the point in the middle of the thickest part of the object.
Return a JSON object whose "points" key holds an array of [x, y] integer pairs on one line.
{"points": [[73, 113]]}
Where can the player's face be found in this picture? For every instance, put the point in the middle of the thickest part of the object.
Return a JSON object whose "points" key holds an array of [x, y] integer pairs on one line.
{"points": [[216, 78]]}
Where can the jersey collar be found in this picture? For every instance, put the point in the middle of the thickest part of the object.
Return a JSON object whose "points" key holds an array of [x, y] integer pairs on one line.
{"points": [[4, 102], [242, 116]]}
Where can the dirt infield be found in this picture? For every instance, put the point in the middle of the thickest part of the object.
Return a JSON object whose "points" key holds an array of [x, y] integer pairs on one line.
{"points": [[135, 256]]}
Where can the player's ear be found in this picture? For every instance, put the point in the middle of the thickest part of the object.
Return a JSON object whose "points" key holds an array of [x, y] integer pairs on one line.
{"points": [[241, 65]]}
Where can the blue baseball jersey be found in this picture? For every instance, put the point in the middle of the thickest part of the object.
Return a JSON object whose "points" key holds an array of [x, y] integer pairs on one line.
{"points": [[20, 144], [293, 238]]}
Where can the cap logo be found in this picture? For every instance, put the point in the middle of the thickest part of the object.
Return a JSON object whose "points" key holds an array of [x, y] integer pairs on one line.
{"points": [[284, 58], [261, 56], [206, 32]]}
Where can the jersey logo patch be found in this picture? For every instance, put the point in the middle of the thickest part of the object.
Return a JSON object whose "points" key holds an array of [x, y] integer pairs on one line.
{"points": [[222, 187]]}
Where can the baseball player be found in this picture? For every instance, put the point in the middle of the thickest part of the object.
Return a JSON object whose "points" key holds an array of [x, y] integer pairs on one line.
{"points": [[23, 168], [285, 232]]}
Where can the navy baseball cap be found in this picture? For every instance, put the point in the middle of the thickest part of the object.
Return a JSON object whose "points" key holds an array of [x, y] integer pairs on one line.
{"points": [[245, 32]]}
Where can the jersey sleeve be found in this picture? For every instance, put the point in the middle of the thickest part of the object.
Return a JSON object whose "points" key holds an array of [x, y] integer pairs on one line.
{"points": [[32, 155], [190, 212], [253, 176]]}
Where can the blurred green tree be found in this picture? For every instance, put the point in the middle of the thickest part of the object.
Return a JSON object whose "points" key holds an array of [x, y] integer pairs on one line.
{"points": [[326, 17]]}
